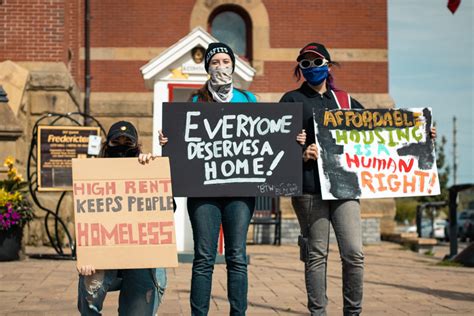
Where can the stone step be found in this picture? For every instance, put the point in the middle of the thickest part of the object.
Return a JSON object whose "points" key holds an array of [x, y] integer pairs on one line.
{"points": [[412, 241]]}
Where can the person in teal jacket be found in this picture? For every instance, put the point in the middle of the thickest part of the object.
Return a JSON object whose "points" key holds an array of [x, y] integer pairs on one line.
{"points": [[208, 213], [220, 65]]}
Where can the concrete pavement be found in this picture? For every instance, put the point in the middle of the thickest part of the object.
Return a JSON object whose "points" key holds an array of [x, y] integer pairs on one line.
{"points": [[397, 282]]}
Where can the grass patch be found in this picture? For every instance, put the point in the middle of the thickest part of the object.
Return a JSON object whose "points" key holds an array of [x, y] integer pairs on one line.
{"points": [[404, 247], [429, 253], [448, 263]]}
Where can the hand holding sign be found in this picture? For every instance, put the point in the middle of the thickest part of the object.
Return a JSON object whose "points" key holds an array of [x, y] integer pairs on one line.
{"points": [[86, 270], [163, 140], [146, 158], [301, 138], [311, 152]]}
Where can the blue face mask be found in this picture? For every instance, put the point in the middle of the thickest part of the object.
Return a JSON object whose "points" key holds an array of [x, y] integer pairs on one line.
{"points": [[315, 75]]}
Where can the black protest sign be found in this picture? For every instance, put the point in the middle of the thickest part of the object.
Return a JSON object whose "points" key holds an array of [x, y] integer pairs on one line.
{"points": [[233, 149], [376, 153]]}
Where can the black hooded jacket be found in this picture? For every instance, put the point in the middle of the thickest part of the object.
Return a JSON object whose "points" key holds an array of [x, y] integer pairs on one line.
{"points": [[317, 103]]}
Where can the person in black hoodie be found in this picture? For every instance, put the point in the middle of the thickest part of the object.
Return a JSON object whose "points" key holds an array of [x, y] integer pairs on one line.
{"points": [[315, 216], [141, 290], [318, 93]]}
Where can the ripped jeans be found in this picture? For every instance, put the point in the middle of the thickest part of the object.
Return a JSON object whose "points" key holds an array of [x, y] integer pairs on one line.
{"points": [[141, 291]]}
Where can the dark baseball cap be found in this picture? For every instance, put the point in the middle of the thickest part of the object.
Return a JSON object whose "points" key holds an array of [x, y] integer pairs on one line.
{"points": [[122, 128], [314, 48]]}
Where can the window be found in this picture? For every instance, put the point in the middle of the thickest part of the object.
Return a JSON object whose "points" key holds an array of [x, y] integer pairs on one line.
{"points": [[232, 25]]}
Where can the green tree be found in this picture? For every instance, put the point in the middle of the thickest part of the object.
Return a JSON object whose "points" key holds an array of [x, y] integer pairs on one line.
{"points": [[406, 207], [443, 174]]}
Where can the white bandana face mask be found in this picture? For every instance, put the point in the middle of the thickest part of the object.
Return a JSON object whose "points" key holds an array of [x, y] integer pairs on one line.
{"points": [[220, 76], [220, 84]]}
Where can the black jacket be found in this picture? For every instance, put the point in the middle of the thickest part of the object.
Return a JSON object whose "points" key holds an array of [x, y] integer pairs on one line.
{"points": [[313, 101]]}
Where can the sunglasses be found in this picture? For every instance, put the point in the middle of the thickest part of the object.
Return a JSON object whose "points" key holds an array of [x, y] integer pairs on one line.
{"points": [[317, 62]]}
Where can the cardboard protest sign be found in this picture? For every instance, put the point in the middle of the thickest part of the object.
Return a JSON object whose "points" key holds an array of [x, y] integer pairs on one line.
{"points": [[234, 149], [376, 153], [123, 213], [57, 146]]}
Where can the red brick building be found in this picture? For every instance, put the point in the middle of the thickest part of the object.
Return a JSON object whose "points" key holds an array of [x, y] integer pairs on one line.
{"points": [[46, 37], [126, 34]]}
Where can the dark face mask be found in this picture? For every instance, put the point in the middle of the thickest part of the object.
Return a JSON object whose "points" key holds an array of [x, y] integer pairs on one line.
{"points": [[122, 151]]}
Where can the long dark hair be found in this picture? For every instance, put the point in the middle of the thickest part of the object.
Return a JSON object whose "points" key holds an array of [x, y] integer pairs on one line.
{"points": [[202, 94], [329, 81]]}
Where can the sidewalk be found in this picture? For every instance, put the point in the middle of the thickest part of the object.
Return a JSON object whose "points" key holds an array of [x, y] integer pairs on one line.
{"points": [[397, 282]]}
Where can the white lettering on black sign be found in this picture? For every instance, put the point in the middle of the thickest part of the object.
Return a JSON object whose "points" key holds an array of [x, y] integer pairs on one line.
{"points": [[234, 144], [219, 144]]}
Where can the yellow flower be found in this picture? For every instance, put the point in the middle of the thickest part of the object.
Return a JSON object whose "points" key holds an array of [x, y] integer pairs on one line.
{"points": [[12, 172], [16, 197], [6, 197], [9, 161], [3, 197], [18, 178]]}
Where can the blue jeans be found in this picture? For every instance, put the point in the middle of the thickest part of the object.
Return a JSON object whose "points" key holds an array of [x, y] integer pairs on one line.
{"points": [[141, 291], [315, 217], [207, 215]]}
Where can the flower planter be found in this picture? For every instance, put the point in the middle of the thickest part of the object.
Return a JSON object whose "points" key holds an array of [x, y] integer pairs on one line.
{"points": [[10, 243], [15, 212]]}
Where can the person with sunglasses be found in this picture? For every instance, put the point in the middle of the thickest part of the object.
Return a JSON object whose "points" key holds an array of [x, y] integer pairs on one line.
{"points": [[141, 290], [314, 215]]}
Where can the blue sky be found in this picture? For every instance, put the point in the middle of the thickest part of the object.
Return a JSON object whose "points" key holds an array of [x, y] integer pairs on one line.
{"points": [[431, 63]]}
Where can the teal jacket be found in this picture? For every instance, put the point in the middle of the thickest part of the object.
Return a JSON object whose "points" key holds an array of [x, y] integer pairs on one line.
{"points": [[238, 97]]}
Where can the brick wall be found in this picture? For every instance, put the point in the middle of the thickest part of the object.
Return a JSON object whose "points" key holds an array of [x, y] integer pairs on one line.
{"points": [[41, 30], [34, 30], [44, 30], [363, 25], [32, 24], [74, 37], [335, 23], [127, 23], [116, 76]]}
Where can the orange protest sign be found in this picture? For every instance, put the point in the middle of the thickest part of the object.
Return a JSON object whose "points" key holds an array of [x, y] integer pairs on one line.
{"points": [[124, 213]]}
